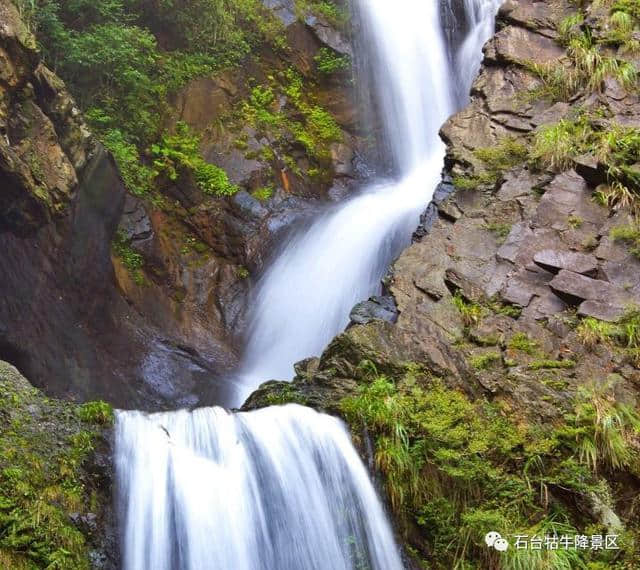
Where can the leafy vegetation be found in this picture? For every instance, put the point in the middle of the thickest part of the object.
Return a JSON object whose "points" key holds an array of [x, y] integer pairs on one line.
{"points": [[43, 447], [499, 229], [605, 430], [329, 62], [507, 153], [471, 313], [521, 342], [629, 235], [131, 259], [623, 334], [484, 361], [588, 65], [302, 123], [614, 146], [179, 153], [109, 55], [455, 468]]}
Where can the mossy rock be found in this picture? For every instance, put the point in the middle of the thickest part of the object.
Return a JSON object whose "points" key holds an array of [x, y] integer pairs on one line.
{"points": [[54, 486]]}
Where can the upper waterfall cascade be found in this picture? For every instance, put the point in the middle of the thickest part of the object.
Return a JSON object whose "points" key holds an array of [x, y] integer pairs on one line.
{"points": [[283, 488], [305, 296]]}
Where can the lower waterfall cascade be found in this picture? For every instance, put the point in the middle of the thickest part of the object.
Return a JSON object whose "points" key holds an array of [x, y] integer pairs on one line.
{"points": [[283, 488]]}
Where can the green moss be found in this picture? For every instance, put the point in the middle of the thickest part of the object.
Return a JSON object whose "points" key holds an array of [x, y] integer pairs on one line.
{"points": [[455, 469], [42, 477], [508, 310], [285, 394], [471, 313], [301, 123], [242, 272], [629, 235], [500, 230], [132, 260], [547, 364], [575, 221], [483, 361], [334, 14], [520, 341], [507, 153]]}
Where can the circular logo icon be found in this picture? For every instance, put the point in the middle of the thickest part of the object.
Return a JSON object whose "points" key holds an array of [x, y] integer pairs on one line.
{"points": [[491, 537], [501, 544]]}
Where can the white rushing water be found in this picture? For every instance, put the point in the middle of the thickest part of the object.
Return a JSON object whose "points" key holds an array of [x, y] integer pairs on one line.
{"points": [[283, 488], [305, 296], [277, 489]]}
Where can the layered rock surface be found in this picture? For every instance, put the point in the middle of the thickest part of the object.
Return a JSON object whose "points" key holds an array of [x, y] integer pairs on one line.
{"points": [[63, 320]]}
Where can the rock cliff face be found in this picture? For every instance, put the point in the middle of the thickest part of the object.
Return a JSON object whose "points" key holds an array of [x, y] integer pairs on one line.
{"points": [[262, 124], [512, 267], [63, 320], [141, 301]]}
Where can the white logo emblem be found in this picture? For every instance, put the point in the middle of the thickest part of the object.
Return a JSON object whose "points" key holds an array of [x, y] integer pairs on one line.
{"points": [[495, 540]]}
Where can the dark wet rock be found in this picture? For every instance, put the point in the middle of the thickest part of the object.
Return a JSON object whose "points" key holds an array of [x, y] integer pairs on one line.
{"points": [[283, 9], [591, 170], [135, 224], [70, 323], [329, 35], [376, 308], [554, 260], [249, 205], [342, 156]]}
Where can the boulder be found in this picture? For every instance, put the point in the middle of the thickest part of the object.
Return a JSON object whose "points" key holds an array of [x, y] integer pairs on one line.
{"points": [[328, 35], [375, 308], [554, 260], [594, 172], [513, 45], [578, 287]]}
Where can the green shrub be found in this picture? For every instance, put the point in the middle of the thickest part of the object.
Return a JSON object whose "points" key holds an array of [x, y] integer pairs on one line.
{"points": [[180, 152], [263, 193], [556, 145], [137, 176], [97, 412], [520, 341], [458, 468], [43, 448], [630, 235], [605, 429], [329, 62], [483, 361], [471, 313]]}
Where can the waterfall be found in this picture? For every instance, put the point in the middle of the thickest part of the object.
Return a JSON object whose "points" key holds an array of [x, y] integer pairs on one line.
{"points": [[277, 489], [304, 298], [282, 488]]}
